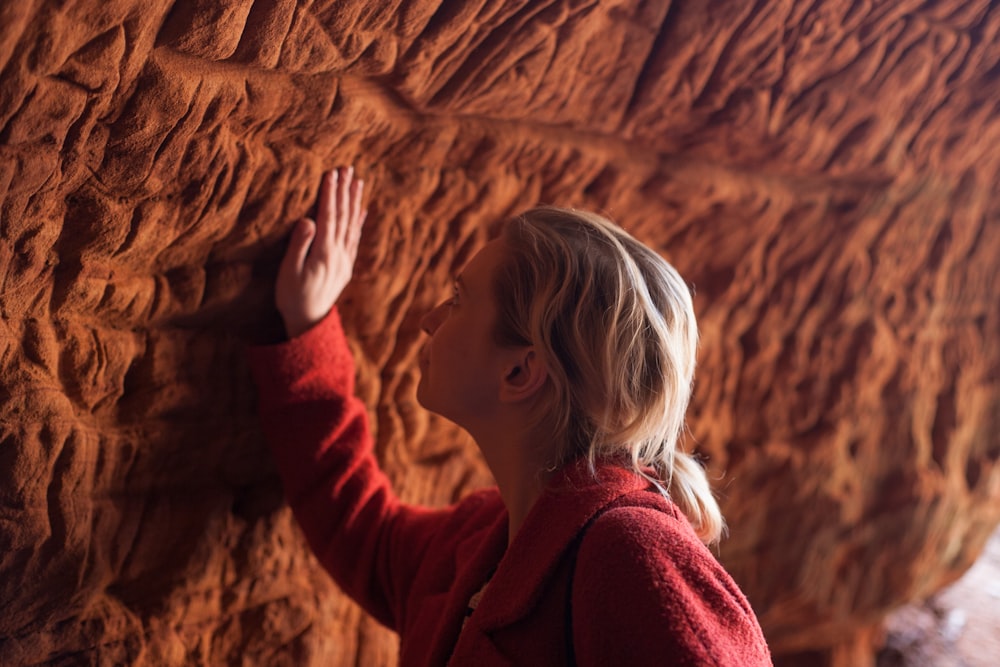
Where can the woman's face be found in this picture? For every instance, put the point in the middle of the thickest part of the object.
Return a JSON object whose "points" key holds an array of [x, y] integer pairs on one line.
{"points": [[461, 365]]}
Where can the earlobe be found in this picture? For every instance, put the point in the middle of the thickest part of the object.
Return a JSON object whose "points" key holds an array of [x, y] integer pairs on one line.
{"points": [[524, 377]]}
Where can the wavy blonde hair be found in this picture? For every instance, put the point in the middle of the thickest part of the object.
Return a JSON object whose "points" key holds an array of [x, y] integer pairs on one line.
{"points": [[616, 326]]}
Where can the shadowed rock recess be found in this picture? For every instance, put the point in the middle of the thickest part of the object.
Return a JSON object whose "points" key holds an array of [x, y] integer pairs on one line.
{"points": [[823, 173]]}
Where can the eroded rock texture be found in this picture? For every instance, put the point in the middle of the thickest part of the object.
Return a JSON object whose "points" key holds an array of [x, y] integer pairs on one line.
{"points": [[825, 174]]}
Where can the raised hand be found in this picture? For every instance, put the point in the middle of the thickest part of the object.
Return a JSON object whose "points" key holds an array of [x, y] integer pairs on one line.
{"points": [[320, 257]]}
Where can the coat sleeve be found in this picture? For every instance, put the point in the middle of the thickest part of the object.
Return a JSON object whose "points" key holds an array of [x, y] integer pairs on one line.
{"points": [[320, 439], [647, 592]]}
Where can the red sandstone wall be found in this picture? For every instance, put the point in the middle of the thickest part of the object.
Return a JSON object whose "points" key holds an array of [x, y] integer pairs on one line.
{"points": [[824, 173]]}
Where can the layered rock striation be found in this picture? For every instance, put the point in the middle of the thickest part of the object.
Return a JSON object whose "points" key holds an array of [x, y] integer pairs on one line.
{"points": [[823, 173]]}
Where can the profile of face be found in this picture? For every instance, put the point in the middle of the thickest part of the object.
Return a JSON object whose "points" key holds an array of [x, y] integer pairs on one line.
{"points": [[462, 366]]}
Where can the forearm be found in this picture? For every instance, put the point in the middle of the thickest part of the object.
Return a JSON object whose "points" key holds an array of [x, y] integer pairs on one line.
{"points": [[319, 437]]}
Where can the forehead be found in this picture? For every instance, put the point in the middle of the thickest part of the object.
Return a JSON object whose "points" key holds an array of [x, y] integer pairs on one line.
{"points": [[479, 271]]}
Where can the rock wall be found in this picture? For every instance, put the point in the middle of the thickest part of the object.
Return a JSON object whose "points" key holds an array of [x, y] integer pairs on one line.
{"points": [[824, 173]]}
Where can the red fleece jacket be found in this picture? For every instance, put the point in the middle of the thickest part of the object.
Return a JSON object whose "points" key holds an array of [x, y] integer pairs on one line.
{"points": [[645, 590]]}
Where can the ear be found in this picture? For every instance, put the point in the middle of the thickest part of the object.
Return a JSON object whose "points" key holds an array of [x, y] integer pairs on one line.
{"points": [[524, 376]]}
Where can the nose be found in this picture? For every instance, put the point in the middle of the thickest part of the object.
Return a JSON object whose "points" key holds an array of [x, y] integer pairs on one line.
{"points": [[432, 320]]}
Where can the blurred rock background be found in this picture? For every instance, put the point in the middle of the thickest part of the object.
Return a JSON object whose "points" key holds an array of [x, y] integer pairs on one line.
{"points": [[957, 627]]}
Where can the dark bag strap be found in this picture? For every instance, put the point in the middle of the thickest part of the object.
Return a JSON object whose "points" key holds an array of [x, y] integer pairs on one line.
{"points": [[574, 551]]}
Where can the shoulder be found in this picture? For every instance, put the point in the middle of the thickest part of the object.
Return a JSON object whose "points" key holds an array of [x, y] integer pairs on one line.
{"points": [[656, 551], [644, 526], [644, 545], [642, 572]]}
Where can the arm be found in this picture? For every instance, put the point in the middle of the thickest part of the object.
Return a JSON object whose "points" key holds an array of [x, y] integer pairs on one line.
{"points": [[318, 430]]}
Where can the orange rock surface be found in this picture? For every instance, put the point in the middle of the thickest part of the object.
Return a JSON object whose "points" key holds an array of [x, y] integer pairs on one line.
{"points": [[824, 173]]}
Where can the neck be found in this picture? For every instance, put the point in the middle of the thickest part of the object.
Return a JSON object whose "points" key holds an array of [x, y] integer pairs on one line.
{"points": [[519, 495], [519, 467]]}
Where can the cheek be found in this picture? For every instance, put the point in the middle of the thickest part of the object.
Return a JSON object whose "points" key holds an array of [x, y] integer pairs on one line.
{"points": [[449, 336], [445, 351]]}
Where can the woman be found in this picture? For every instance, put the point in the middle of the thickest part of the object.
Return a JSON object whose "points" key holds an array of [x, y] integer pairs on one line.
{"points": [[567, 351]]}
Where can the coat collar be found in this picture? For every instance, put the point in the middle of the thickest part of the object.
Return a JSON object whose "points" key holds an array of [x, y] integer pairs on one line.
{"points": [[570, 499]]}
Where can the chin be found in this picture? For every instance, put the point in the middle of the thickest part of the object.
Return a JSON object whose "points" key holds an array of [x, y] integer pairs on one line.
{"points": [[427, 402], [422, 395]]}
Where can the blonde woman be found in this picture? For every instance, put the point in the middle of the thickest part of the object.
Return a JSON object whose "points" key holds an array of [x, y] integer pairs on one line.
{"points": [[567, 351]]}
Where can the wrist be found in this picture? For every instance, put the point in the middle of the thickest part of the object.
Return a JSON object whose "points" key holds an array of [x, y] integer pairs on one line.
{"points": [[295, 326]]}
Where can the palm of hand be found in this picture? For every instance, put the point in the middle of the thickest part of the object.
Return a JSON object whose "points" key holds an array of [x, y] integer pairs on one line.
{"points": [[320, 258]]}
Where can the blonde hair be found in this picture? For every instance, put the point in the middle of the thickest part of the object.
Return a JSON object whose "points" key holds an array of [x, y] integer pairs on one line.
{"points": [[616, 326]]}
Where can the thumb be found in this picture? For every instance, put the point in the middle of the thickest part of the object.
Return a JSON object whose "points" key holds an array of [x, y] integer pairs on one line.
{"points": [[298, 246]]}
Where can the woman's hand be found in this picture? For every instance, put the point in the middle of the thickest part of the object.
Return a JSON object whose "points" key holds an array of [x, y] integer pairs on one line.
{"points": [[320, 257]]}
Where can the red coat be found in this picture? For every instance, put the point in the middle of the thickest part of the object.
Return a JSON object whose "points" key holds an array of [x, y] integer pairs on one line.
{"points": [[644, 588]]}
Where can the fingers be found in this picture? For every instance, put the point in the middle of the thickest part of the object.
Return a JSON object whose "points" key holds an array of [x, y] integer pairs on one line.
{"points": [[354, 240], [325, 220], [356, 215], [338, 203], [298, 247], [345, 192], [340, 214], [357, 194]]}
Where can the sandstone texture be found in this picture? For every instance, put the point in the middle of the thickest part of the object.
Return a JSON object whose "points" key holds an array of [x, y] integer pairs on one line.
{"points": [[824, 173]]}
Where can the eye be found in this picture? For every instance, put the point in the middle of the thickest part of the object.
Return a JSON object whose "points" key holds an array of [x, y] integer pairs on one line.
{"points": [[453, 301]]}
